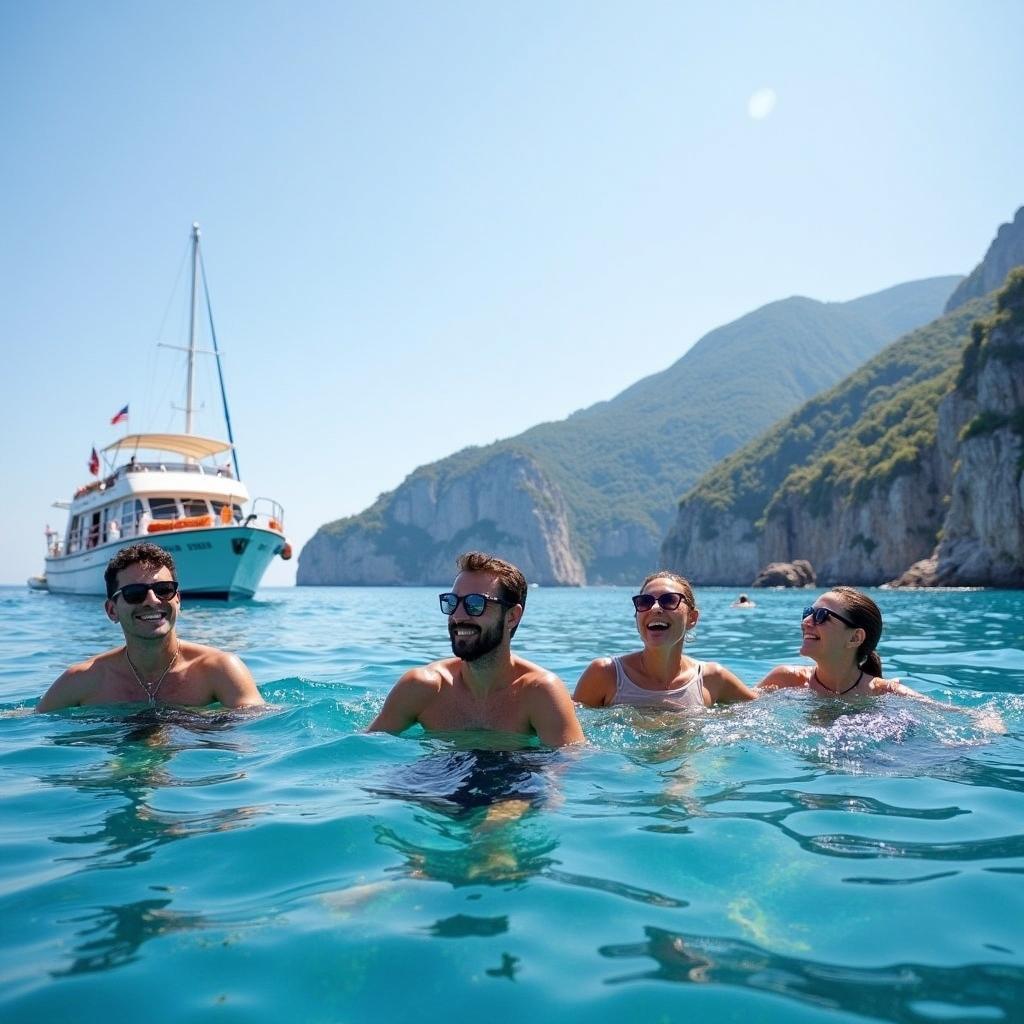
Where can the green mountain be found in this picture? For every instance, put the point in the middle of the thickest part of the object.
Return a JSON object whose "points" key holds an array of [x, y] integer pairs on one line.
{"points": [[588, 499], [868, 431], [857, 481]]}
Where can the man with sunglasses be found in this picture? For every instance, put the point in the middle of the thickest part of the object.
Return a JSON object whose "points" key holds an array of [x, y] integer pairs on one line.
{"points": [[153, 666], [484, 686]]}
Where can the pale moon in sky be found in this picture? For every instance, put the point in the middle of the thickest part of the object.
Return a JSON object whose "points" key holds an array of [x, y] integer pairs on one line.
{"points": [[761, 104]]}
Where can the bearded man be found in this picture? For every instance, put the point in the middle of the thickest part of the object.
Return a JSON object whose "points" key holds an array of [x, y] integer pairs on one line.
{"points": [[485, 686]]}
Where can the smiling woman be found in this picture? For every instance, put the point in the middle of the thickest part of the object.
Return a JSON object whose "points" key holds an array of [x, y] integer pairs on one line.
{"points": [[839, 633], [662, 675]]}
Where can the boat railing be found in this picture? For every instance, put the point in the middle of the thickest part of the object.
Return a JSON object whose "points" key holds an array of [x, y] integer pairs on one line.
{"points": [[266, 512], [174, 467], [106, 483]]}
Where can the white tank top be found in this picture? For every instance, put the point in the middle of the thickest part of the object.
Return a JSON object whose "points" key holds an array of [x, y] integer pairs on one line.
{"points": [[689, 695]]}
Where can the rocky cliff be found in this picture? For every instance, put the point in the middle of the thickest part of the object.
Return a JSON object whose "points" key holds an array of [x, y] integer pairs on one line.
{"points": [[981, 437], [505, 503], [588, 499], [934, 454], [922, 443], [851, 482], [1005, 253]]}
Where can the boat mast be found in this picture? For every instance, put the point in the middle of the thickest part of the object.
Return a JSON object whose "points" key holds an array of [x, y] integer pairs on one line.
{"points": [[192, 331], [220, 368]]}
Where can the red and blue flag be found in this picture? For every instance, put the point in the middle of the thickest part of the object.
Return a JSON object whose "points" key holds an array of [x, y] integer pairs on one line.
{"points": [[120, 417], [94, 463]]}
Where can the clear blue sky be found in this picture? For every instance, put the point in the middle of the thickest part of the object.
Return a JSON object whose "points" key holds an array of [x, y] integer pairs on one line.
{"points": [[429, 225]]}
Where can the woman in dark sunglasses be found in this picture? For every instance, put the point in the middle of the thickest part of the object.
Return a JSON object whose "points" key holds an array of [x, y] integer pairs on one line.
{"points": [[662, 675], [840, 632]]}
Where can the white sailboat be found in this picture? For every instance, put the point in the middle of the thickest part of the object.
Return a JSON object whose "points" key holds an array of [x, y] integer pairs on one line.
{"points": [[171, 490]]}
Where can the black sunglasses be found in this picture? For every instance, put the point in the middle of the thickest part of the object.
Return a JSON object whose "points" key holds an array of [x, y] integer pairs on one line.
{"points": [[475, 604], [821, 615], [135, 593], [669, 601]]}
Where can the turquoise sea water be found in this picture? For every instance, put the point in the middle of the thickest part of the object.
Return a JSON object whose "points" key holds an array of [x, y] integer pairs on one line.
{"points": [[788, 860]]}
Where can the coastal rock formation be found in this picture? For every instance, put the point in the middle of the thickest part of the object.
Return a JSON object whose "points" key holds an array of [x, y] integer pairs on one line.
{"points": [[922, 444], [852, 482], [414, 534], [786, 574], [862, 542], [981, 432], [606, 479], [712, 546]]}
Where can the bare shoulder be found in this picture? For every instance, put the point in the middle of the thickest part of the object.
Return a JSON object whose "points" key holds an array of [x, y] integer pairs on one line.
{"points": [[535, 677], [549, 705], [783, 676], [414, 690], [229, 678], [725, 686], [199, 657], [428, 679], [595, 688], [539, 686], [77, 681]]}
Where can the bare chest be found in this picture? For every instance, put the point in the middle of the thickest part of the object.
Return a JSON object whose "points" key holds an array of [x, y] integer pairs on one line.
{"points": [[457, 708], [182, 688]]}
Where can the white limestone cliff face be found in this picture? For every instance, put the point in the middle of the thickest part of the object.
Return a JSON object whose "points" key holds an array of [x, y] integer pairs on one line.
{"points": [[983, 536], [712, 548], [349, 560], [624, 551], [861, 543], [506, 506]]}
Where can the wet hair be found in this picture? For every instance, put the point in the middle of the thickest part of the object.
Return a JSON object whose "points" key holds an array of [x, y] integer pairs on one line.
{"points": [[861, 610], [511, 581], [684, 585], [147, 555]]}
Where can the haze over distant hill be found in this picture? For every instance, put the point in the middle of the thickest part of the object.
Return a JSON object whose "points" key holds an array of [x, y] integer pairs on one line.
{"points": [[921, 445], [588, 499]]}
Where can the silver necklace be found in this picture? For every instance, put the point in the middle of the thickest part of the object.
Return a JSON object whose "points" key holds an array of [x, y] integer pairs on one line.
{"points": [[151, 693]]}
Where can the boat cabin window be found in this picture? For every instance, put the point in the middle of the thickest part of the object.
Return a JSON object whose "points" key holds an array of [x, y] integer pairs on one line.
{"points": [[163, 508], [131, 513], [74, 541], [195, 507], [93, 536], [111, 530]]}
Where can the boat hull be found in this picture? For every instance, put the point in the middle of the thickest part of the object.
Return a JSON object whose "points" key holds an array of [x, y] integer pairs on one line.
{"points": [[224, 562]]}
